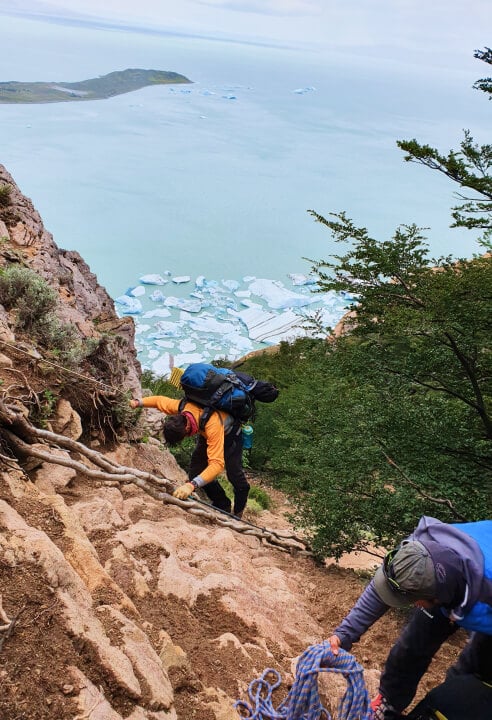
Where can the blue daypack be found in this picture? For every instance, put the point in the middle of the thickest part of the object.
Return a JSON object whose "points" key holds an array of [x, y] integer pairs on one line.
{"points": [[233, 392]]}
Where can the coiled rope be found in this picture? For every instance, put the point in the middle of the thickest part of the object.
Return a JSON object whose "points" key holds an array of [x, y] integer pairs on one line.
{"points": [[303, 701]]}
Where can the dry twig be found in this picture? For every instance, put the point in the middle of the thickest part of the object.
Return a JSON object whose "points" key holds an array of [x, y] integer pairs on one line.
{"points": [[7, 628]]}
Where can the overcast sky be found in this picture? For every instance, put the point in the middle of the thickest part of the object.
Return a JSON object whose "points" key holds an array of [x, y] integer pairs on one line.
{"points": [[413, 26]]}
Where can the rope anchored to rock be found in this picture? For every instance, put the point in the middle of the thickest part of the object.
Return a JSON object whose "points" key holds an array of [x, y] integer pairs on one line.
{"points": [[303, 701]]}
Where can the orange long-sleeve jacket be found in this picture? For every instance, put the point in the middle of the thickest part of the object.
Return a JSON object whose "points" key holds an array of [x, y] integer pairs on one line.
{"points": [[217, 425]]}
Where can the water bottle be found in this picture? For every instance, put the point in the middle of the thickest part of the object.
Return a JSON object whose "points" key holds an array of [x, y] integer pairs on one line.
{"points": [[247, 431]]}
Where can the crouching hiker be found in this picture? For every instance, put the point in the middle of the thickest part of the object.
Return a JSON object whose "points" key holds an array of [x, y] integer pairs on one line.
{"points": [[445, 572], [219, 444]]}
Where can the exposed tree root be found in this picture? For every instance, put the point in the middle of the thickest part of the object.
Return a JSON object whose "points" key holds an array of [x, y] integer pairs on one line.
{"points": [[8, 626], [20, 435]]}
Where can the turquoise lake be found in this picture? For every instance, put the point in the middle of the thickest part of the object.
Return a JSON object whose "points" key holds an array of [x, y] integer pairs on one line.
{"points": [[215, 178]]}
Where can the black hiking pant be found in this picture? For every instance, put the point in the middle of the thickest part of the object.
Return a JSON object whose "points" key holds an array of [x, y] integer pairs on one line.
{"points": [[464, 697], [233, 459], [412, 653]]}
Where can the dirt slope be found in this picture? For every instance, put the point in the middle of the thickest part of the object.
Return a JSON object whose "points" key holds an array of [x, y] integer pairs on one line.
{"points": [[101, 576]]}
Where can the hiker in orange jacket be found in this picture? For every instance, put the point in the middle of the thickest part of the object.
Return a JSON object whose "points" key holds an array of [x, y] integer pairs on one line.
{"points": [[219, 445]]}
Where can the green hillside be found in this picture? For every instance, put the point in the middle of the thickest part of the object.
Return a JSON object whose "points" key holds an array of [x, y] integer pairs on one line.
{"points": [[115, 83]]}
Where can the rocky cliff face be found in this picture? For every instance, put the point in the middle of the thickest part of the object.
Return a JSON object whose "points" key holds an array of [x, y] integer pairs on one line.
{"points": [[114, 603], [83, 302]]}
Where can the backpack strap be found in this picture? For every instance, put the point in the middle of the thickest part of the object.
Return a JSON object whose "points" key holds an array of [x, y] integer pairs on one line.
{"points": [[205, 416], [206, 412]]}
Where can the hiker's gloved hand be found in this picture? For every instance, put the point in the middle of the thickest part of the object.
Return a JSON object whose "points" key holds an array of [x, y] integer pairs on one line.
{"points": [[382, 710], [184, 491], [335, 644]]}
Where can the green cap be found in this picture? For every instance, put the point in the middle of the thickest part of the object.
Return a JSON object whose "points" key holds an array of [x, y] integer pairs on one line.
{"points": [[412, 570]]}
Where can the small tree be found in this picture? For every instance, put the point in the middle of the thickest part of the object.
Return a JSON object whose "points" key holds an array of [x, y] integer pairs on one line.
{"points": [[395, 419], [469, 167]]}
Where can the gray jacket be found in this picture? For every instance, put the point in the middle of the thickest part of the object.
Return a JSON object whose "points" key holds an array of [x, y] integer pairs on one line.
{"points": [[468, 562]]}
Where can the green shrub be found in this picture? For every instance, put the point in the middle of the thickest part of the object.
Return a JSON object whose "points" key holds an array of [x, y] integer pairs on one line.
{"points": [[158, 385], [123, 414], [46, 402], [183, 451], [55, 335], [254, 507], [5, 193], [258, 499], [260, 496], [28, 293], [33, 301]]}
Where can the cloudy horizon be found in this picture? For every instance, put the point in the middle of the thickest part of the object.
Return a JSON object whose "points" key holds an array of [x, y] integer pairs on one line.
{"points": [[442, 31]]}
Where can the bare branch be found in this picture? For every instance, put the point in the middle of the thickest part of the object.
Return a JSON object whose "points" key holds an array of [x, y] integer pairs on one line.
{"points": [[438, 501]]}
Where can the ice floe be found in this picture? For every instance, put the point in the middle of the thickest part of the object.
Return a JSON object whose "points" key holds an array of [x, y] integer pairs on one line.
{"points": [[227, 319], [299, 279], [278, 297], [303, 91], [153, 280], [132, 306], [158, 312]]}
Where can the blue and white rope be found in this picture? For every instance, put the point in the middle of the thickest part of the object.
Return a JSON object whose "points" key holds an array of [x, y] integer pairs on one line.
{"points": [[303, 701]]}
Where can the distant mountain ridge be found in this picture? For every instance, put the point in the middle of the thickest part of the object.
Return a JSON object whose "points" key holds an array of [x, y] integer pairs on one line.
{"points": [[105, 86]]}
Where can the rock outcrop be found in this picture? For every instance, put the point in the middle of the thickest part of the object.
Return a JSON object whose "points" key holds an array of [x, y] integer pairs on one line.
{"points": [[84, 303]]}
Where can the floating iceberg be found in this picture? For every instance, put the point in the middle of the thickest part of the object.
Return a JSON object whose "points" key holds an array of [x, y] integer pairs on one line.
{"points": [[303, 91], [277, 297], [209, 324], [166, 329], [186, 359], [131, 306], [153, 280], [187, 346], [225, 319], [159, 312], [231, 285], [267, 327], [239, 344], [161, 366], [191, 306], [298, 279], [164, 343], [181, 279]]}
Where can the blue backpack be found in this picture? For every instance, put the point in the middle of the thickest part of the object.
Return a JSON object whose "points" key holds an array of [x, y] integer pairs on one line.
{"points": [[223, 389]]}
